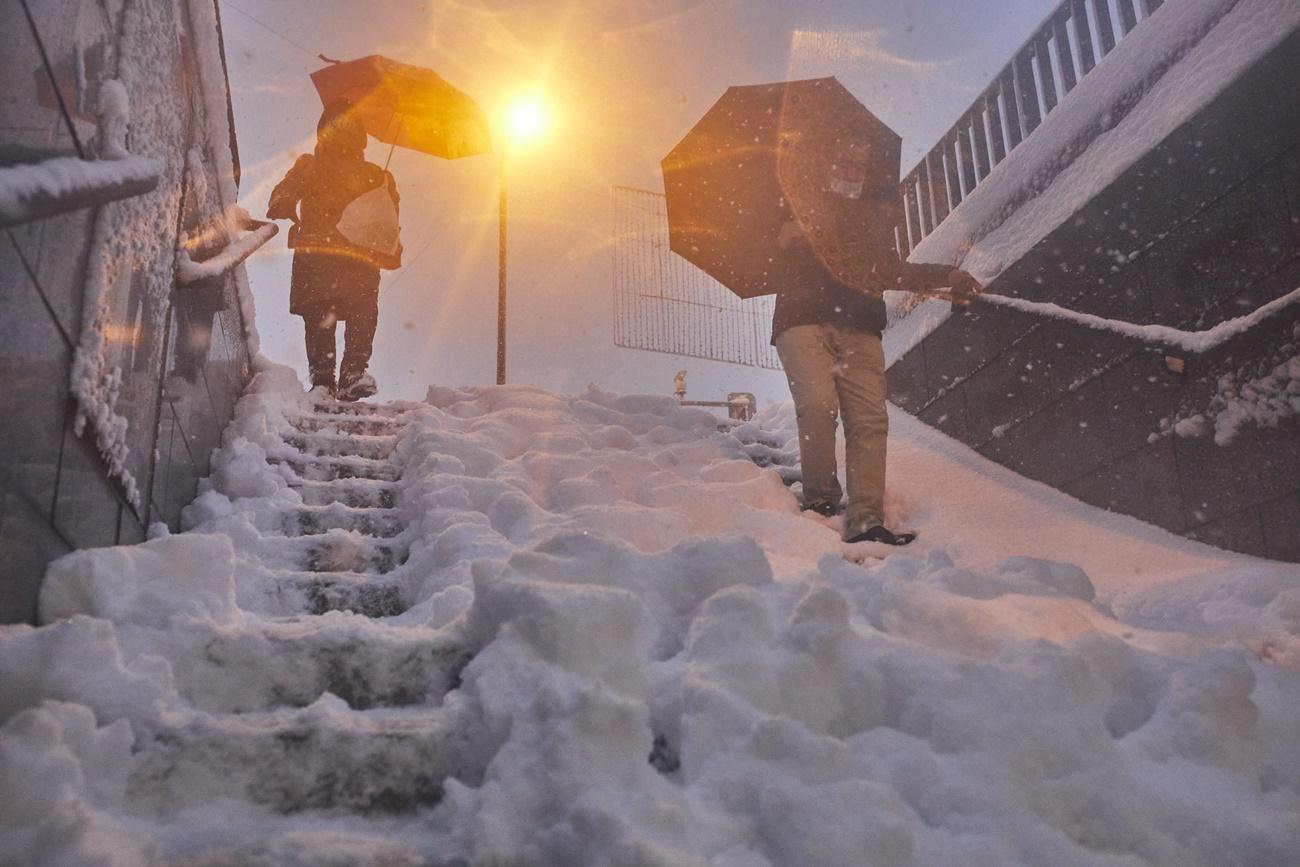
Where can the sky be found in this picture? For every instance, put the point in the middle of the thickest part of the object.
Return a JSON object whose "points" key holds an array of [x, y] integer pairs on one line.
{"points": [[624, 81]]}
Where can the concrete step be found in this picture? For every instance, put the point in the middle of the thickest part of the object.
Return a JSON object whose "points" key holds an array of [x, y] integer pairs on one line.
{"points": [[378, 448], [310, 520], [353, 493], [332, 469], [360, 409], [325, 756], [344, 591], [340, 552], [360, 842], [291, 593], [292, 662], [347, 424]]}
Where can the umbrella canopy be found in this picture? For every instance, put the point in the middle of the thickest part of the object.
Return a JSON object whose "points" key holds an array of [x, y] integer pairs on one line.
{"points": [[407, 106], [766, 155]]}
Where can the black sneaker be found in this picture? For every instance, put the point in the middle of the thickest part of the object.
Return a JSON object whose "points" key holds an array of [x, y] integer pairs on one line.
{"points": [[884, 536], [826, 510]]}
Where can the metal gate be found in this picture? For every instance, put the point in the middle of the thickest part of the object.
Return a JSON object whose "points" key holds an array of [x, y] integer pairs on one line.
{"points": [[662, 303]]}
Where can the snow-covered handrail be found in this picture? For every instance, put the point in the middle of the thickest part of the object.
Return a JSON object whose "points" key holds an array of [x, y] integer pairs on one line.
{"points": [[1194, 342], [189, 271], [55, 186]]}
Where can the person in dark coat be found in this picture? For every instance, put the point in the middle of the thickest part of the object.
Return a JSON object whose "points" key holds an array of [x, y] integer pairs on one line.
{"points": [[828, 336], [335, 277]]}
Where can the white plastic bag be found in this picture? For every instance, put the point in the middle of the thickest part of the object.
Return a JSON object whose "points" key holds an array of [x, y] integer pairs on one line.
{"points": [[370, 222]]}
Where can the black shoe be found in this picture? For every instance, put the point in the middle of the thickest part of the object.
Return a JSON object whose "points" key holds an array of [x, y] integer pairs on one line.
{"points": [[886, 537], [827, 510]]}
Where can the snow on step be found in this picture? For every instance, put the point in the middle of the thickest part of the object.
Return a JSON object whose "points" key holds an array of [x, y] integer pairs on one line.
{"points": [[334, 550], [393, 410], [287, 593], [311, 469], [764, 449], [326, 756], [294, 661], [310, 520], [338, 551], [353, 493], [326, 444], [616, 639], [345, 424]]}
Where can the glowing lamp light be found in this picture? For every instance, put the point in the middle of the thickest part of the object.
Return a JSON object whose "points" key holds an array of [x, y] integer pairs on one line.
{"points": [[527, 120], [524, 121]]}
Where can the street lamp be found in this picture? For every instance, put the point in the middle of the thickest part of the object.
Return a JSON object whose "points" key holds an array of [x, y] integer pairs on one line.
{"points": [[525, 121]]}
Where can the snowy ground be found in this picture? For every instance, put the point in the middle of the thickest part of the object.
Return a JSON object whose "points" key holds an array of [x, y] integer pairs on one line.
{"points": [[507, 627]]}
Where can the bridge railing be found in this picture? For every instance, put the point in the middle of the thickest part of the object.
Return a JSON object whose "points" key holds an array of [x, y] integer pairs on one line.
{"points": [[1068, 45]]}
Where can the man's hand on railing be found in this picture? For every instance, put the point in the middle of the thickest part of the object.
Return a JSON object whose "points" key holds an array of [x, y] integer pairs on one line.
{"points": [[963, 287]]}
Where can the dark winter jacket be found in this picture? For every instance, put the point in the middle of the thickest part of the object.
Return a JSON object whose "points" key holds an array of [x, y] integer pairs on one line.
{"points": [[329, 272], [822, 299], [315, 191]]}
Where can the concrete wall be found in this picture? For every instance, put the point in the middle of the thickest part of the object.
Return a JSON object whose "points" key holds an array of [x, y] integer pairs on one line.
{"points": [[181, 351], [1215, 215]]}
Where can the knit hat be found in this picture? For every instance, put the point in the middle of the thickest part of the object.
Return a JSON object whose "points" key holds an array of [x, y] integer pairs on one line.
{"points": [[339, 128]]}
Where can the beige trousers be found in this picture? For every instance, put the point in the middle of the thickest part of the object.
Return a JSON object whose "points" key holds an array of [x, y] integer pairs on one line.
{"points": [[835, 371]]}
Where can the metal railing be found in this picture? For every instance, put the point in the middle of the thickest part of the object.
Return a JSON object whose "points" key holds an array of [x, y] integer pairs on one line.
{"points": [[1064, 49], [663, 303]]}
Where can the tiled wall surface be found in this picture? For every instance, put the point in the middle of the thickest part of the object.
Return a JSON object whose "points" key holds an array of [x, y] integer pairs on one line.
{"points": [[181, 377], [1214, 215]]}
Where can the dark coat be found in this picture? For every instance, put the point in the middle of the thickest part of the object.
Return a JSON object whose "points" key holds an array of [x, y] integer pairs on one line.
{"points": [[821, 299], [330, 274]]}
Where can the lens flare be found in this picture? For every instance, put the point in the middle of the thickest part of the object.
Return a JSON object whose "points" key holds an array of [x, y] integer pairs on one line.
{"points": [[527, 120]]}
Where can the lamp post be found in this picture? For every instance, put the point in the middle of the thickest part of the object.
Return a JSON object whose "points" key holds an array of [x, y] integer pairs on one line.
{"points": [[501, 268], [525, 121]]}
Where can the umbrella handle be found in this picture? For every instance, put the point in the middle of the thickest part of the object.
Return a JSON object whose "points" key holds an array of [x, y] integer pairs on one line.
{"points": [[393, 145], [328, 59]]}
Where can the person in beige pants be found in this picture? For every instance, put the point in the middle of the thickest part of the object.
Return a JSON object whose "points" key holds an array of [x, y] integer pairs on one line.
{"points": [[828, 337], [836, 371]]}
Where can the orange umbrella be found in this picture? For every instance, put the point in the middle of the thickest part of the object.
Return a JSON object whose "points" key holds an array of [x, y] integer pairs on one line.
{"points": [[406, 106]]}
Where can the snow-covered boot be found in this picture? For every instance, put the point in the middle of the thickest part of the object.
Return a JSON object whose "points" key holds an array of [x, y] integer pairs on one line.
{"points": [[882, 535], [823, 508], [321, 392], [354, 386]]}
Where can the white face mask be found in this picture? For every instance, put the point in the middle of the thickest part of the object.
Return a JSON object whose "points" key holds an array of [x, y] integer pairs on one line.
{"points": [[847, 189]]}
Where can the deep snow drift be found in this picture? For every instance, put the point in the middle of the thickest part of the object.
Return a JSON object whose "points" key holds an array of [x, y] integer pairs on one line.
{"points": [[510, 627]]}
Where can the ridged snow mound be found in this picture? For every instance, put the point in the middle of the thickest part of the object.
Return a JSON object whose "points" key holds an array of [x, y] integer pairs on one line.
{"points": [[506, 627]]}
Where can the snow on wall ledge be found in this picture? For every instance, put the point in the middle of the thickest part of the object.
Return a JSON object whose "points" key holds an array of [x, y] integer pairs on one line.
{"points": [[603, 635], [1155, 80], [30, 192]]}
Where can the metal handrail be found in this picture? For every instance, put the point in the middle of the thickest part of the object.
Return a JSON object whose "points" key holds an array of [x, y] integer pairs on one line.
{"points": [[1065, 48]]}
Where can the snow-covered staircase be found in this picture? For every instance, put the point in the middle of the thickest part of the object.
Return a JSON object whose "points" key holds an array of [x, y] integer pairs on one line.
{"points": [[509, 627], [334, 550], [314, 704]]}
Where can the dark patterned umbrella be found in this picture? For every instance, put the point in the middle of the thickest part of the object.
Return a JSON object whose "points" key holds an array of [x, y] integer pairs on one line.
{"points": [[766, 156]]}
